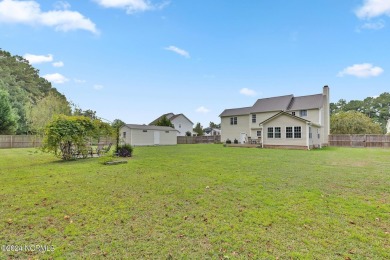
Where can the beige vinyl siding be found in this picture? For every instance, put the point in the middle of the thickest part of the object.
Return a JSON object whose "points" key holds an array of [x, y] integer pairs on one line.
{"points": [[313, 115], [260, 117], [284, 121], [232, 132], [169, 138], [137, 137], [142, 138], [315, 142], [127, 139]]}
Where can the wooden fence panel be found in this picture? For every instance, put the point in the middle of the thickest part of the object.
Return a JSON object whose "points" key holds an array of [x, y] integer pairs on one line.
{"points": [[20, 141], [198, 139], [360, 140], [29, 141]]}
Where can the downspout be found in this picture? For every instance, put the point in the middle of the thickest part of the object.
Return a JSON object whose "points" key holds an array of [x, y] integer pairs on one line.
{"points": [[262, 135], [307, 136]]}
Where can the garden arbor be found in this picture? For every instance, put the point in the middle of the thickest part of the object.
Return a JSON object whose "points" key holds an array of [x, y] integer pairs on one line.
{"points": [[66, 136]]}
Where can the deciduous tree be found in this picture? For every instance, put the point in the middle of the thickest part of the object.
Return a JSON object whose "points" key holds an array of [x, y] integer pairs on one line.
{"points": [[8, 118], [353, 122]]}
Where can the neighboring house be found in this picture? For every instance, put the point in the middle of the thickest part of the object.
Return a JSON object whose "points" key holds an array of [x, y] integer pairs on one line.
{"points": [[285, 121], [208, 131], [143, 135], [180, 122]]}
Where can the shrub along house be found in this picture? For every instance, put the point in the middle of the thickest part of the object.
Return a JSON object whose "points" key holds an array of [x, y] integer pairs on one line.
{"points": [[285, 121], [143, 135]]}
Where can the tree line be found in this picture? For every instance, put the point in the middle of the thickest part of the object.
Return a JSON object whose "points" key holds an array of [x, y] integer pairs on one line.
{"points": [[368, 116]]}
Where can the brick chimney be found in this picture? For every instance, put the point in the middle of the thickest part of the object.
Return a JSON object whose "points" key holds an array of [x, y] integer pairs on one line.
{"points": [[326, 107]]}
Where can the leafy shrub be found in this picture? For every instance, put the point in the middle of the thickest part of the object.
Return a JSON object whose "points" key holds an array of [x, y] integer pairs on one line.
{"points": [[235, 141], [228, 141], [105, 158], [125, 150]]}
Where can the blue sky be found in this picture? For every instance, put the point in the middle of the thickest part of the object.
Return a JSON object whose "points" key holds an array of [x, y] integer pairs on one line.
{"points": [[137, 59]]}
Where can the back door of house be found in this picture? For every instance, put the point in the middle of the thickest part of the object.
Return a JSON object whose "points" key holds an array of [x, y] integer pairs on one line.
{"points": [[243, 138], [156, 137]]}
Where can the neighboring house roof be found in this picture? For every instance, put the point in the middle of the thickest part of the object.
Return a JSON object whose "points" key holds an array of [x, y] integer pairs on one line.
{"points": [[170, 116], [306, 102], [287, 114], [209, 130], [150, 127], [281, 103], [272, 104], [236, 111], [175, 116]]}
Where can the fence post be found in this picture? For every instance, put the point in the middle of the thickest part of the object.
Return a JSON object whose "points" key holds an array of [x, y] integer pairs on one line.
{"points": [[11, 142]]}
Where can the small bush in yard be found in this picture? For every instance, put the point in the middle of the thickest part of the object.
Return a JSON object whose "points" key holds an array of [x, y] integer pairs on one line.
{"points": [[228, 141], [235, 141], [125, 150]]}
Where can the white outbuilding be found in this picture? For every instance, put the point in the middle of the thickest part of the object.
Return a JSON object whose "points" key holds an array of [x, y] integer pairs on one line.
{"points": [[143, 135]]}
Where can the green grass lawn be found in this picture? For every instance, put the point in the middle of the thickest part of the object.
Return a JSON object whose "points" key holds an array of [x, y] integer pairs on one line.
{"points": [[199, 201]]}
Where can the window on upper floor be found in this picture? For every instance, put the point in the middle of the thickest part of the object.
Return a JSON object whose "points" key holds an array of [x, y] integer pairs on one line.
{"points": [[293, 113], [179, 125], [303, 113], [254, 118], [124, 135], [233, 120]]}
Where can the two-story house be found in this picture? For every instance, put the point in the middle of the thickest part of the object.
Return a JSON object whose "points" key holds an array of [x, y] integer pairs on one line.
{"points": [[285, 121], [180, 122]]}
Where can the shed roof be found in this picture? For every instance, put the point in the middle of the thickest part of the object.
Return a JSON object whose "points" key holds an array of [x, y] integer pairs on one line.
{"points": [[150, 127]]}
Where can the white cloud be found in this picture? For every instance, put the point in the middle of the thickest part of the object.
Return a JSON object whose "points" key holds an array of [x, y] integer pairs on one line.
{"points": [[58, 64], [62, 5], [79, 81], [202, 109], [363, 70], [30, 13], [178, 51], [56, 78], [374, 25], [248, 92], [98, 87], [132, 6], [373, 8], [36, 59]]}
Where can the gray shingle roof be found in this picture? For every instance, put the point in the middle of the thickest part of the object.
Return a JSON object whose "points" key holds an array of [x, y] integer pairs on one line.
{"points": [[150, 127], [306, 102], [272, 104], [236, 111], [282, 103]]}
